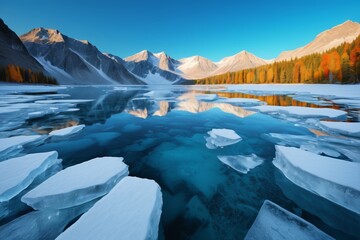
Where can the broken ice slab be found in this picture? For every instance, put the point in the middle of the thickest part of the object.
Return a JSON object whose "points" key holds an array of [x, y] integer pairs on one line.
{"points": [[345, 128], [328, 145], [334, 179], [351, 103], [221, 138], [77, 184], [241, 101], [131, 211], [11, 146], [12, 207], [44, 224], [302, 112], [276, 223], [16, 174], [67, 131], [64, 101], [241, 163], [330, 213]]}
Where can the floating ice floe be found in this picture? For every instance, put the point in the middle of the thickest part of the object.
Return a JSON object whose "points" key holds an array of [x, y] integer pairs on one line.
{"points": [[77, 184], [328, 145], [221, 138], [44, 224], [276, 223], [64, 101], [345, 128], [16, 174], [67, 131], [334, 179], [14, 206], [241, 101], [13, 145], [343, 91], [302, 112], [241, 163], [311, 99], [352, 103], [131, 211]]}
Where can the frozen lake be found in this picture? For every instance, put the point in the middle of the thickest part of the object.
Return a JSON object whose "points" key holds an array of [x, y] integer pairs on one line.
{"points": [[210, 148]]}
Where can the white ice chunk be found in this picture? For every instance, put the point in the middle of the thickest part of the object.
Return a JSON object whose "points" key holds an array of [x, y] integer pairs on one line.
{"points": [[64, 101], [241, 163], [334, 179], [343, 91], [44, 224], [346, 128], [276, 223], [14, 206], [221, 138], [16, 174], [77, 184], [302, 112], [67, 131], [241, 101], [13, 145], [353, 103], [131, 211]]}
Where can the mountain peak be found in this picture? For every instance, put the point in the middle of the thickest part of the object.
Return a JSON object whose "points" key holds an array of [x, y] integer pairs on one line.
{"points": [[348, 22], [143, 55], [43, 35], [159, 54], [335, 36]]}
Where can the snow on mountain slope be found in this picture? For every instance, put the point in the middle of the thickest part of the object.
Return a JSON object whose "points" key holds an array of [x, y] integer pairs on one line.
{"points": [[345, 32], [196, 67], [82, 62], [157, 68], [237, 62], [144, 63]]}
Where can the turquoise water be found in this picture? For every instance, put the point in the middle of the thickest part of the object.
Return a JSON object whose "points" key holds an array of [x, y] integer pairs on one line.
{"points": [[162, 137]]}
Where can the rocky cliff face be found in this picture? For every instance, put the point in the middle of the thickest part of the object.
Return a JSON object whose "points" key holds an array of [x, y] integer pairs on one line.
{"points": [[13, 51], [73, 61]]}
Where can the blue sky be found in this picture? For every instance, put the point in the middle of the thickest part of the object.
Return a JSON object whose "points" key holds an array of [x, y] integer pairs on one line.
{"points": [[182, 28]]}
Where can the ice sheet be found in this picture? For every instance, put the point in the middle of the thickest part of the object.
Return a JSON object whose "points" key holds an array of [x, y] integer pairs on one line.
{"points": [[67, 131], [334, 179], [302, 112], [16, 174], [346, 128], [44, 224], [275, 223], [221, 138], [241, 163], [77, 184], [13, 145], [130, 211]]}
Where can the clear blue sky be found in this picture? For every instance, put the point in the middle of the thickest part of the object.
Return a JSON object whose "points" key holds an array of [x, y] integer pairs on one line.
{"points": [[182, 28]]}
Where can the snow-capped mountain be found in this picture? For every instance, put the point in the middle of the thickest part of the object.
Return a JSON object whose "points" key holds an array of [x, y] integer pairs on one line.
{"points": [[13, 51], [237, 62], [159, 67], [196, 67], [345, 32], [152, 68], [73, 61]]}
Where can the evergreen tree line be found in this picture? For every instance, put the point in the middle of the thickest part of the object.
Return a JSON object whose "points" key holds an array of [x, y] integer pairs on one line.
{"points": [[13, 73], [338, 65]]}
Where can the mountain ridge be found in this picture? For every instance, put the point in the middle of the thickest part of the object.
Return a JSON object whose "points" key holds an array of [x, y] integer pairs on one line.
{"points": [[73, 61], [335, 36]]}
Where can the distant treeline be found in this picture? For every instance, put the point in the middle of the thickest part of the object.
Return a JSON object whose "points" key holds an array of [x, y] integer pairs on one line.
{"points": [[13, 73], [338, 65]]}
